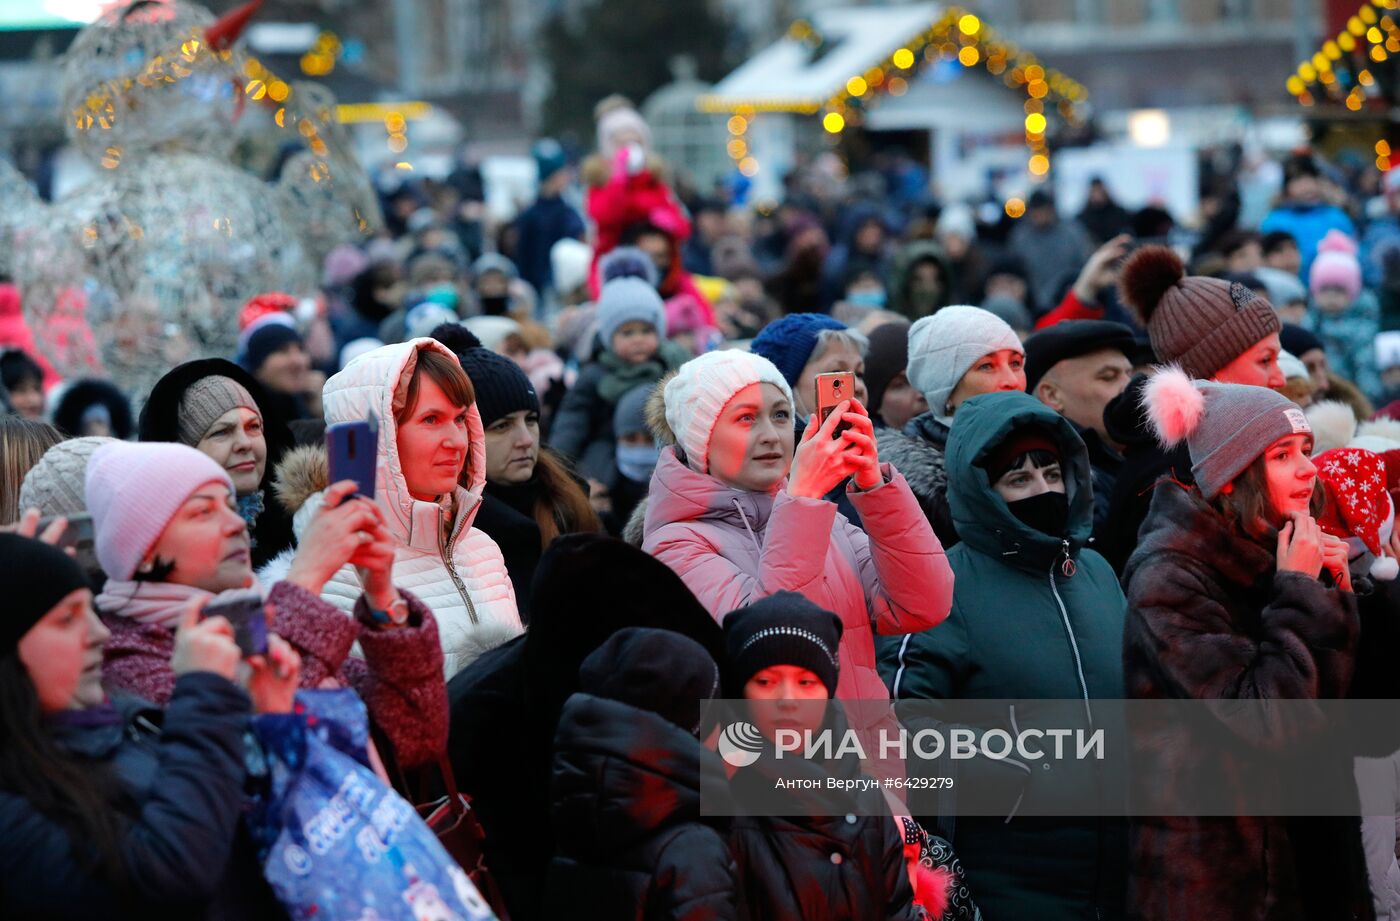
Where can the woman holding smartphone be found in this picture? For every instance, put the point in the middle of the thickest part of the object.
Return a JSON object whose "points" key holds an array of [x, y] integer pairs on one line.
{"points": [[1236, 594], [168, 533], [739, 517]]}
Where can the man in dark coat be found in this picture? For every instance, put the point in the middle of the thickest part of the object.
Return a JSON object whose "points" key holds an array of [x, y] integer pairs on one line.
{"points": [[505, 706], [547, 221]]}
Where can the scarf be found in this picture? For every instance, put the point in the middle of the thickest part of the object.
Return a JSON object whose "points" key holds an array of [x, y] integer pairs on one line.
{"points": [[160, 603]]}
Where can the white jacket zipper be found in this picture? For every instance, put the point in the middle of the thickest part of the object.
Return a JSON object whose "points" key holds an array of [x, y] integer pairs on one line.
{"points": [[1069, 631], [445, 548]]}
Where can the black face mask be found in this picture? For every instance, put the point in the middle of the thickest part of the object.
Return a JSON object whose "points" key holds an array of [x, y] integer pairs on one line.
{"points": [[1047, 513], [495, 305]]}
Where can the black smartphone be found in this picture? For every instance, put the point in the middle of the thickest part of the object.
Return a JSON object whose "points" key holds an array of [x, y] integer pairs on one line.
{"points": [[247, 613], [352, 449]]}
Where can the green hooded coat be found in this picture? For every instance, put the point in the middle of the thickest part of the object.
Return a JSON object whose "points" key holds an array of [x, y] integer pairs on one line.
{"points": [[1023, 627]]}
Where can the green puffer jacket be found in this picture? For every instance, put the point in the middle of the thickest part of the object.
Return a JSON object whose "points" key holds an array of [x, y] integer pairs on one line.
{"points": [[1023, 627]]}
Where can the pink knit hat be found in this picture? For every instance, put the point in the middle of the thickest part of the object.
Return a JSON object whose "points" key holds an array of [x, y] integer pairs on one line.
{"points": [[1336, 264], [134, 489]]}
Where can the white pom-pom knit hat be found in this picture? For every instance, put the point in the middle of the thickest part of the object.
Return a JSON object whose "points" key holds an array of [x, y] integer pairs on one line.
{"points": [[1225, 426]]}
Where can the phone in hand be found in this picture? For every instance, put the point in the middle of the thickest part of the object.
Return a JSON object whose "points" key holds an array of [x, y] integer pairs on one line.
{"points": [[77, 536], [247, 613], [832, 389], [353, 449]]}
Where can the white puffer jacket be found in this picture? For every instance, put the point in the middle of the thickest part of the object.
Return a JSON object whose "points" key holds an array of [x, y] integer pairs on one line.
{"points": [[464, 579]]}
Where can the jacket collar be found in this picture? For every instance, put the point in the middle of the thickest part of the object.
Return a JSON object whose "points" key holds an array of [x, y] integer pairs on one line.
{"points": [[930, 428], [680, 494], [96, 732]]}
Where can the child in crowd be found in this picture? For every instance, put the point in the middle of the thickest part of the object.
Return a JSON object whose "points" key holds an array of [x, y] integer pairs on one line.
{"points": [[626, 790], [781, 655], [1344, 315], [631, 331]]}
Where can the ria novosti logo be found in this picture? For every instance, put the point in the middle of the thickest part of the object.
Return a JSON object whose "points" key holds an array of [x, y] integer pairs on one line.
{"points": [[740, 744]]}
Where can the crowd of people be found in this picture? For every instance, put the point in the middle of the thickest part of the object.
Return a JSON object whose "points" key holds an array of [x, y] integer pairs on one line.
{"points": [[1088, 457]]}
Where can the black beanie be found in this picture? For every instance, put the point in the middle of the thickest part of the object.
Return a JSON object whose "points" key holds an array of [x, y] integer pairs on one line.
{"points": [[501, 386], [265, 342], [782, 629], [654, 670], [36, 577]]}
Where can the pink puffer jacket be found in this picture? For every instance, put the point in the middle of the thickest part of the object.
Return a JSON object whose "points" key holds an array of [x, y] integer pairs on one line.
{"points": [[733, 547]]}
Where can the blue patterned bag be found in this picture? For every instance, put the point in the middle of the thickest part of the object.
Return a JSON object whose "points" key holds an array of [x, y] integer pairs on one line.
{"points": [[336, 843]]}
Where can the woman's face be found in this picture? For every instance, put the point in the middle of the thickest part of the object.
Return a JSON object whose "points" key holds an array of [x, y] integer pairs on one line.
{"points": [[63, 654], [206, 542], [751, 446], [901, 402], [1291, 476], [433, 443], [837, 356], [512, 447], [1257, 366], [1003, 370], [786, 697], [235, 441], [1029, 480]]}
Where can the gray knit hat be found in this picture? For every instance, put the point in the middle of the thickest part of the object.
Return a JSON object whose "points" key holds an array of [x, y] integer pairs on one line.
{"points": [[55, 485], [1199, 323], [205, 401], [1226, 427], [624, 300], [942, 348]]}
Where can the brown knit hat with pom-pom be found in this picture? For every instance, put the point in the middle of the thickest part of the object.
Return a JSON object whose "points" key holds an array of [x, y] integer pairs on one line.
{"points": [[1199, 323]]}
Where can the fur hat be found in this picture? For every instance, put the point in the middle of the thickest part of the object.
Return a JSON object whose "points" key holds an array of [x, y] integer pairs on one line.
{"points": [[1201, 324], [1226, 427]]}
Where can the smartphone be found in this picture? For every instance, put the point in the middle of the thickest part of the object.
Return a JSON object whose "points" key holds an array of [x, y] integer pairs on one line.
{"points": [[77, 536], [352, 449], [832, 389], [247, 612]]}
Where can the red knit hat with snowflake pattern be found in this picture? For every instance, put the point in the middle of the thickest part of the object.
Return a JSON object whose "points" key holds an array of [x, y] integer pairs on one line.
{"points": [[1358, 504]]}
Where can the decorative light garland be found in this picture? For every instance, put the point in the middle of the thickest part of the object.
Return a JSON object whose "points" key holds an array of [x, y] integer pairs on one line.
{"points": [[1342, 70], [956, 35]]}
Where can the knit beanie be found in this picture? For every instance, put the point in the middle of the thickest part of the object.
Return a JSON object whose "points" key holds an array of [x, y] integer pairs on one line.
{"points": [[782, 629], [789, 342], [886, 357], [36, 577], [549, 156], [1226, 427], [1020, 442], [134, 489], [631, 415], [700, 390], [55, 485], [624, 300], [265, 340], [501, 386], [1358, 504], [1298, 340], [654, 670], [1336, 265], [205, 401], [942, 348], [627, 262], [620, 117], [1201, 324]]}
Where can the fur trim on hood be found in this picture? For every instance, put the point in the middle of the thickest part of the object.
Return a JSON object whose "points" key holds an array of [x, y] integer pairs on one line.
{"points": [[634, 532], [303, 473], [1333, 425], [920, 462]]}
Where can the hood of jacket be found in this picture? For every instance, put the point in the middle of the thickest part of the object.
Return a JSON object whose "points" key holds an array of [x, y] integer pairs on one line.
{"points": [[375, 386], [980, 513], [904, 262], [680, 494], [622, 774]]}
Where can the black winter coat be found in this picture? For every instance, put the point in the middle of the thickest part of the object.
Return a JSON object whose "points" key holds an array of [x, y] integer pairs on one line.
{"points": [[181, 773], [821, 863], [513, 528], [626, 816], [1210, 618]]}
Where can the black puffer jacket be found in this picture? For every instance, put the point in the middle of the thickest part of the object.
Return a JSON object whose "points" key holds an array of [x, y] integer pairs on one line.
{"points": [[626, 817], [180, 774], [837, 856]]}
